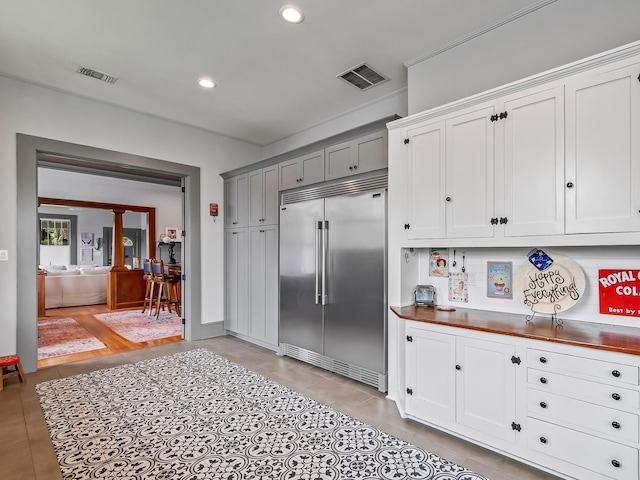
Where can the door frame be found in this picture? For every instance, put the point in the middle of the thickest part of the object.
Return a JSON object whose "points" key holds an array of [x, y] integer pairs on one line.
{"points": [[106, 162]]}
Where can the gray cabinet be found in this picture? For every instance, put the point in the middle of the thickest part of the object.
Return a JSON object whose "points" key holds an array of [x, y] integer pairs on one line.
{"points": [[263, 196], [300, 171], [236, 270], [236, 199], [363, 154]]}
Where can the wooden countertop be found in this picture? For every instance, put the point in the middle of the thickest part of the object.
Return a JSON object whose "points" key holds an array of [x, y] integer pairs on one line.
{"points": [[571, 332]]}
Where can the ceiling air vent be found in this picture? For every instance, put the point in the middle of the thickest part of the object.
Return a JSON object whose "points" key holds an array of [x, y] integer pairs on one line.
{"points": [[363, 77], [89, 72]]}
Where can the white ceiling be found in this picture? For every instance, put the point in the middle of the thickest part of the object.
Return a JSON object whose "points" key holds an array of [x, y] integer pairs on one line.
{"points": [[274, 79]]}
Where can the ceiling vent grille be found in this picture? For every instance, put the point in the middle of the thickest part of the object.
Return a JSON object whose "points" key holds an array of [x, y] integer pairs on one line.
{"points": [[363, 77], [89, 72]]}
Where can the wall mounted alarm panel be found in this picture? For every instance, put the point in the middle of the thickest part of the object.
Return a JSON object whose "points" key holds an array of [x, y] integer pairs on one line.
{"points": [[425, 296]]}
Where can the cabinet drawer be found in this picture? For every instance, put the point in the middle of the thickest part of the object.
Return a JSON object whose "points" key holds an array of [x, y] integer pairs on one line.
{"points": [[608, 395], [584, 415], [592, 453], [595, 369]]}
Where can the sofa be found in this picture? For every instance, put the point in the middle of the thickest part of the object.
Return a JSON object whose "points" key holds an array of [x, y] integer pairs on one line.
{"points": [[71, 285]]}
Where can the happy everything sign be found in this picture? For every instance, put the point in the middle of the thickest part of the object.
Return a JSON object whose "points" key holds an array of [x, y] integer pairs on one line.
{"points": [[619, 292]]}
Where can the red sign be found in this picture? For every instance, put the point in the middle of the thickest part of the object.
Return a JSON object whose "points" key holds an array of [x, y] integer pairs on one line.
{"points": [[619, 292]]}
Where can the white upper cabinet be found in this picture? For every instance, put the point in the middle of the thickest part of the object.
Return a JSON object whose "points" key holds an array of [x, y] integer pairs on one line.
{"points": [[426, 214], [263, 196], [236, 199], [532, 142], [603, 152], [300, 171], [469, 174], [363, 154]]}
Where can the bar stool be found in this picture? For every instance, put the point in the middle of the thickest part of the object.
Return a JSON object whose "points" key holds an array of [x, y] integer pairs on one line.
{"points": [[148, 277], [11, 361], [166, 292]]}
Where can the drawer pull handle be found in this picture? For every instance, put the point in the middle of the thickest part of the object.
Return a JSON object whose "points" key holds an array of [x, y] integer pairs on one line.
{"points": [[543, 404], [543, 360], [615, 463], [615, 425], [543, 380], [615, 373], [544, 440], [615, 396]]}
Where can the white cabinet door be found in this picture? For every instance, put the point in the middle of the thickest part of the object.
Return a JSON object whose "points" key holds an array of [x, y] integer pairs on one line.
{"points": [[237, 282], [304, 170], [603, 153], [339, 160], [426, 213], [485, 387], [236, 198], [532, 142], [430, 375], [263, 284], [470, 174]]}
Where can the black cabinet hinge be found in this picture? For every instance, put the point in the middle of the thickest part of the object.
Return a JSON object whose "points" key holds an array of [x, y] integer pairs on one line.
{"points": [[499, 116], [409, 338], [504, 220], [494, 221], [515, 360], [407, 226], [406, 141], [409, 391], [516, 426], [503, 115]]}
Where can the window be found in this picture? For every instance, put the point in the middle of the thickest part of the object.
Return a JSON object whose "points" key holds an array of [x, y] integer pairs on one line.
{"points": [[54, 231]]}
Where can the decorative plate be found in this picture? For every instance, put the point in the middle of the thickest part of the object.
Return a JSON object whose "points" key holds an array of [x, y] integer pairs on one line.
{"points": [[552, 290]]}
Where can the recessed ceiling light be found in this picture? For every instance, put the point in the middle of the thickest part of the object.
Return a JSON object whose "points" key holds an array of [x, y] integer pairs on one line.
{"points": [[206, 83], [292, 14]]}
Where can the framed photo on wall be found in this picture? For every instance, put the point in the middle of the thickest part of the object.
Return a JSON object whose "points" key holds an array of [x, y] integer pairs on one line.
{"points": [[174, 234], [499, 280]]}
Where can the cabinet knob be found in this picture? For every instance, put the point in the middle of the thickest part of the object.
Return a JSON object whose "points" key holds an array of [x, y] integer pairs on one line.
{"points": [[458, 367], [543, 360], [570, 185], [615, 373], [615, 396], [543, 404], [615, 463], [543, 380], [351, 168], [543, 440], [448, 199], [615, 425], [355, 167]]}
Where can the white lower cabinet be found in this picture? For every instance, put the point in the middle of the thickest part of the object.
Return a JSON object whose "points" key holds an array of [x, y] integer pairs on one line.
{"points": [[461, 382], [569, 410]]}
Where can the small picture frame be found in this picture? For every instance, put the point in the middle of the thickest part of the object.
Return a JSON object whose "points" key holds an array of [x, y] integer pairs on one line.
{"points": [[499, 280], [174, 234]]}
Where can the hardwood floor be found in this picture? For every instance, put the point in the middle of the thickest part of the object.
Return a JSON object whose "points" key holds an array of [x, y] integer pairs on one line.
{"points": [[114, 342]]}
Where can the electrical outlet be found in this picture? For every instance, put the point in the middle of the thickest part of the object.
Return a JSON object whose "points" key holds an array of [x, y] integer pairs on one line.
{"points": [[4, 255], [471, 280]]}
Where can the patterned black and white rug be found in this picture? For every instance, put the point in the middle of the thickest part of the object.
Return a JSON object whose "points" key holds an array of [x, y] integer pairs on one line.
{"points": [[198, 416]]}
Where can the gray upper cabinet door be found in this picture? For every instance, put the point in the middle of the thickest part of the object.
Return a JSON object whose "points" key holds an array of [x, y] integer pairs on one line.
{"points": [[236, 199], [300, 171], [363, 154]]}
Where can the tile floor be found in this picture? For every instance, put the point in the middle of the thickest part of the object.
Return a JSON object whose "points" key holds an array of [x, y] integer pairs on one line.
{"points": [[26, 452]]}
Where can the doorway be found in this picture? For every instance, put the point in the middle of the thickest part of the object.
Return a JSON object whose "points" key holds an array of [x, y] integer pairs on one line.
{"points": [[32, 151], [134, 239]]}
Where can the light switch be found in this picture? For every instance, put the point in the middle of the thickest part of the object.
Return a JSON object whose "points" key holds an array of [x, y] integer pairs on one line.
{"points": [[4, 255]]}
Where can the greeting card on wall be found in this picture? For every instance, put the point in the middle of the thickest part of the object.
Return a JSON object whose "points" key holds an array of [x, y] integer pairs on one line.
{"points": [[438, 266], [499, 280], [458, 287]]}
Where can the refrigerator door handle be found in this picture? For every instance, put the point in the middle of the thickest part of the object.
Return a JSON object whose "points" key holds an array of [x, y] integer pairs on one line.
{"points": [[318, 240], [325, 234]]}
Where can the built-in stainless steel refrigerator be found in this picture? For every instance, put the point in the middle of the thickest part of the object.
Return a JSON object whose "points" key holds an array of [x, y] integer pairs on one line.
{"points": [[333, 309]]}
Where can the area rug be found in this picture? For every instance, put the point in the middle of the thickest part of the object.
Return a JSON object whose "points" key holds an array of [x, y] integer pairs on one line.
{"points": [[196, 415], [64, 336], [142, 327]]}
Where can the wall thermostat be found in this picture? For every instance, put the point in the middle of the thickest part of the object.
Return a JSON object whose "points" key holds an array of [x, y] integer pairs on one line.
{"points": [[425, 296]]}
